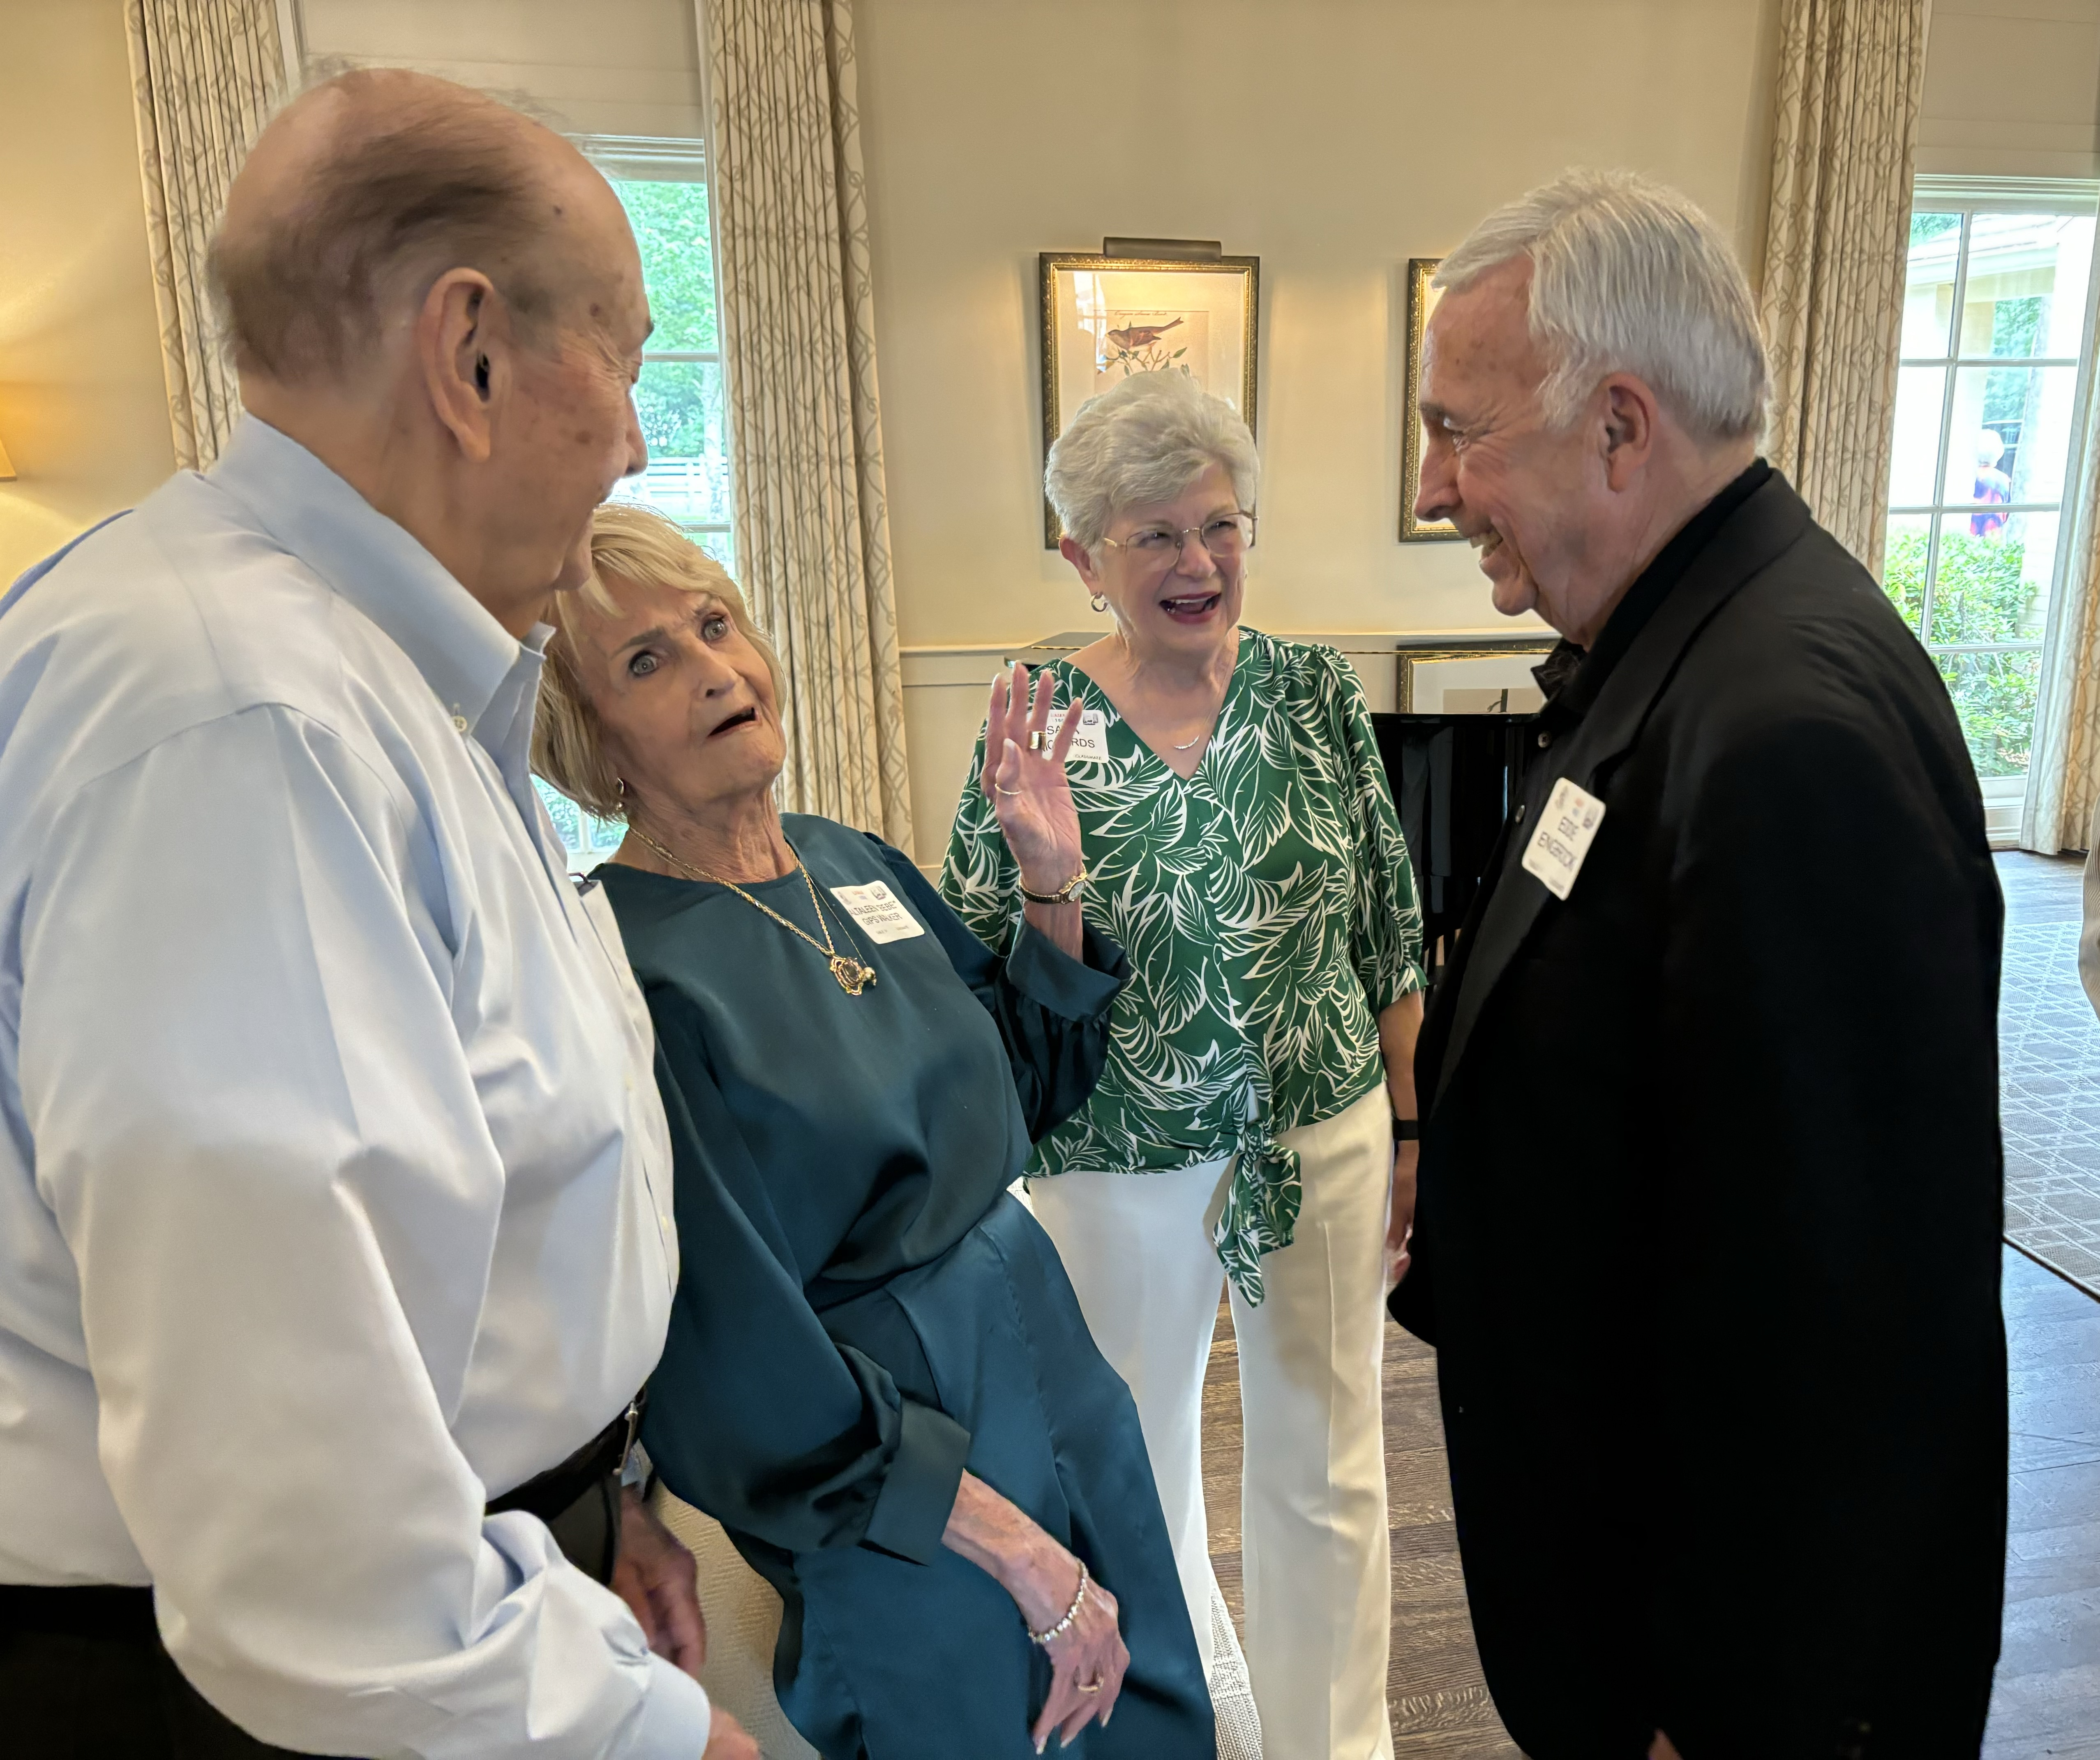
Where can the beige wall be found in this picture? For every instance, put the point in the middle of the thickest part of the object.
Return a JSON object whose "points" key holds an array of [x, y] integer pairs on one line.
{"points": [[83, 406], [1334, 139]]}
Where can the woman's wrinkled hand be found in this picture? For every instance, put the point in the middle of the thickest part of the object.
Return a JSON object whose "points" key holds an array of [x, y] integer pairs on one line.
{"points": [[1028, 789], [1087, 1660]]}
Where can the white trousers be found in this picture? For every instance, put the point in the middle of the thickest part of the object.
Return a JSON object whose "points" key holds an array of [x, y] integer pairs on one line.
{"points": [[1315, 1555]]}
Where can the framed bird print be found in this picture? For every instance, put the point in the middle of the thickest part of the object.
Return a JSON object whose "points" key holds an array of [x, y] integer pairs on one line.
{"points": [[1107, 318], [1421, 302]]}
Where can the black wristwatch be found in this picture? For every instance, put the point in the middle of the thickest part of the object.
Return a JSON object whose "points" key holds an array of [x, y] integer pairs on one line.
{"points": [[1406, 1130]]}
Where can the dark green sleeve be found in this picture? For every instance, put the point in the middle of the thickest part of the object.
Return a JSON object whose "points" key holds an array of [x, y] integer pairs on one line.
{"points": [[755, 1415], [1051, 1010]]}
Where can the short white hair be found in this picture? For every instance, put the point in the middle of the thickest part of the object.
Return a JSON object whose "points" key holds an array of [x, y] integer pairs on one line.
{"points": [[1144, 439], [1630, 276]]}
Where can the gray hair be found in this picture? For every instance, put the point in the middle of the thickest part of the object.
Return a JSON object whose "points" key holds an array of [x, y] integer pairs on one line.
{"points": [[1144, 439], [1630, 276]]}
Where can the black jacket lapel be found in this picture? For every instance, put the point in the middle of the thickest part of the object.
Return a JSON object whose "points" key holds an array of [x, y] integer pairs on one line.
{"points": [[1763, 527]]}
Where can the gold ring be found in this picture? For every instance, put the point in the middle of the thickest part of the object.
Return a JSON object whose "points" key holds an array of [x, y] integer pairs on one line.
{"points": [[1084, 1687], [1006, 791], [1036, 742]]}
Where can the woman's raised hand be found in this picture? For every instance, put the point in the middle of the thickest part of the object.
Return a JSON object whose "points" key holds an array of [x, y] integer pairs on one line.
{"points": [[1023, 778]]}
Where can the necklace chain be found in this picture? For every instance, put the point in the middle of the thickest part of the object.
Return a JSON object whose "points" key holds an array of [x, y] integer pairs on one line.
{"points": [[854, 975]]}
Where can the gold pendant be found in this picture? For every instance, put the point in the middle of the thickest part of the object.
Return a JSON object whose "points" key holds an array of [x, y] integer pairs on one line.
{"points": [[853, 977]]}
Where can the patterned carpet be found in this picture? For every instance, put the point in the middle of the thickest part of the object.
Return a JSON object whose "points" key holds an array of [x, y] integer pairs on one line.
{"points": [[2049, 1080]]}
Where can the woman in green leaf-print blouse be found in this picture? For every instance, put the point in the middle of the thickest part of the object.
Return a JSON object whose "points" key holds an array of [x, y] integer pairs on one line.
{"points": [[1240, 841]]}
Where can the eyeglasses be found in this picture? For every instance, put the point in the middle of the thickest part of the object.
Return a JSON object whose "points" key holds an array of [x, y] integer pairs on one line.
{"points": [[1226, 536]]}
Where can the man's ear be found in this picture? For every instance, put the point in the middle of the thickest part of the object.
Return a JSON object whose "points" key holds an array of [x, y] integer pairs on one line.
{"points": [[461, 359], [1629, 422]]}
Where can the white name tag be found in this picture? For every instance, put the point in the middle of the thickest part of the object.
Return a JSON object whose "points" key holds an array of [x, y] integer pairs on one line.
{"points": [[879, 912], [1563, 837], [1090, 741]]}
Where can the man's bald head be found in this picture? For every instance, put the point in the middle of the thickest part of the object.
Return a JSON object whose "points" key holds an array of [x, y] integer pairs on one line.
{"points": [[367, 188]]}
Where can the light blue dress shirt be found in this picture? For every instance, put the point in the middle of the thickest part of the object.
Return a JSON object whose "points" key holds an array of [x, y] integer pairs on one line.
{"points": [[334, 1187]]}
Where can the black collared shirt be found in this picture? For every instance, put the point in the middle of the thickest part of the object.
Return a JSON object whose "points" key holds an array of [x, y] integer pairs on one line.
{"points": [[1571, 677]]}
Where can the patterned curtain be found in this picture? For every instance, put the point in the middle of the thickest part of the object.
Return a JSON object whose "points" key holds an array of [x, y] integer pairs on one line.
{"points": [[204, 74], [1851, 75], [2063, 790], [798, 348]]}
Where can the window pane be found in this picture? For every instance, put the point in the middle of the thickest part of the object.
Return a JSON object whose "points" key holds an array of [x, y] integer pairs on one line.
{"points": [[1994, 695], [2010, 433], [2027, 284], [1903, 564], [680, 405], [1991, 585], [1935, 240], [670, 223], [588, 840], [1914, 466]]}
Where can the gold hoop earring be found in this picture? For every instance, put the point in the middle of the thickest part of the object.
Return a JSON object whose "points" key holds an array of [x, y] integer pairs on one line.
{"points": [[1099, 601]]}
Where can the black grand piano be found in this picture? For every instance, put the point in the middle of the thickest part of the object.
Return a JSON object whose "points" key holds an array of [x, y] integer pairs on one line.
{"points": [[1454, 778]]}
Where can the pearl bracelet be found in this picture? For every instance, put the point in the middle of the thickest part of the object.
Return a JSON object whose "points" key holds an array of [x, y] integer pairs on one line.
{"points": [[1071, 1613]]}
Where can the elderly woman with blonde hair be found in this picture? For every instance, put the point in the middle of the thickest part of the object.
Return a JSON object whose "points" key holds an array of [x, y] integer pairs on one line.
{"points": [[1240, 840], [877, 1378]]}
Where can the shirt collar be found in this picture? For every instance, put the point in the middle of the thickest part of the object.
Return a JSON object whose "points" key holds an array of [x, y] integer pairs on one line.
{"points": [[463, 653], [1572, 679]]}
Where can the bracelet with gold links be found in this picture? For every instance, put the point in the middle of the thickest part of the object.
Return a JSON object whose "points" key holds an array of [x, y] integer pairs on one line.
{"points": [[1065, 894]]}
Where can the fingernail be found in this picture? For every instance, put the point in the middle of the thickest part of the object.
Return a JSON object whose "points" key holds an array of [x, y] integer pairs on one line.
{"points": [[1042, 1741]]}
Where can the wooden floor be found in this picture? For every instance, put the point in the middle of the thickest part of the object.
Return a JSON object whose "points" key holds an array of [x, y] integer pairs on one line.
{"points": [[2048, 1696], [2047, 1700]]}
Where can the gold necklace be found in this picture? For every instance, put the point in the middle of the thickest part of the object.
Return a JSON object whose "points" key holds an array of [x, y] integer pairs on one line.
{"points": [[854, 975]]}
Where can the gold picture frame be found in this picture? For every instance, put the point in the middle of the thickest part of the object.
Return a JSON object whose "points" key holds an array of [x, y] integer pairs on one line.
{"points": [[1461, 678], [1105, 317], [1421, 301]]}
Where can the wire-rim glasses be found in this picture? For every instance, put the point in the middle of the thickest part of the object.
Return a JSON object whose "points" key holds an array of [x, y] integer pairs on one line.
{"points": [[1224, 536]]}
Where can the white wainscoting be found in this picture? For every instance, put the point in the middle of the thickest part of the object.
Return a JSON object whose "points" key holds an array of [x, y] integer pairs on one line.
{"points": [[2004, 799]]}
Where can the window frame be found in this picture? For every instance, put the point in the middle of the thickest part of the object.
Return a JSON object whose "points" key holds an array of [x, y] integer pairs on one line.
{"points": [[664, 159], [637, 158], [1969, 197]]}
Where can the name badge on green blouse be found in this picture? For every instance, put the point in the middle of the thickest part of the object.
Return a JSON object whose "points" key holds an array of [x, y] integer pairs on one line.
{"points": [[1092, 740], [879, 911]]}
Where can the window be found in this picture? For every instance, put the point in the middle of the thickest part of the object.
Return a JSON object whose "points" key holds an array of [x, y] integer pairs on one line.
{"points": [[1993, 324], [662, 185]]}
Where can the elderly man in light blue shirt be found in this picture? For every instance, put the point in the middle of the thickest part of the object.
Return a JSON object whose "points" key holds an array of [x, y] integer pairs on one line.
{"points": [[334, 1189]]}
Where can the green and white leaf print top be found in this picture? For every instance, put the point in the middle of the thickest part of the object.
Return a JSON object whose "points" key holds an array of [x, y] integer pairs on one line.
{"points": [[1269, 914]]}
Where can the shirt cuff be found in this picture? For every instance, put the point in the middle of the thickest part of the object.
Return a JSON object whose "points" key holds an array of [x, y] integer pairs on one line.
{"points": [[918, 1494], [676, 1717], [1410, 981], [1076, 990]]}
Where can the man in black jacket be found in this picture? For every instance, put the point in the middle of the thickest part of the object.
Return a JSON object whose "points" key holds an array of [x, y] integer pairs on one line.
{"points": [[1708, 1233]]}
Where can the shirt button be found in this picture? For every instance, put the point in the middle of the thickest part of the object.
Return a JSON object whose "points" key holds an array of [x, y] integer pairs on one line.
{"points": [[1545, 739], [459, 721]]}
